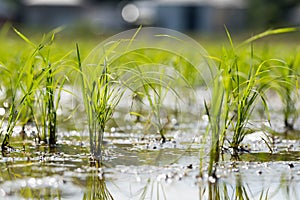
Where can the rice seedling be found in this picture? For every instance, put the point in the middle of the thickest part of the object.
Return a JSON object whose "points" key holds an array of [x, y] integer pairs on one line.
{"points": [[158, 70], [13, 102], [249, 88], [100, 97], [34, 90], [155, 85], [288, 91], [215, 127], [46, 85], [238, 91], [11, 122]]}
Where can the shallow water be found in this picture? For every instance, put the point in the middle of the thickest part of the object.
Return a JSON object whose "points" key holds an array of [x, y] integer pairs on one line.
{"points": [[138, 166]]}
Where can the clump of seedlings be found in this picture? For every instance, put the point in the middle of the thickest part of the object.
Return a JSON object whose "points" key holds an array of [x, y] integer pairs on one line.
{"points": [[35, 90], [154, 86], [143, 68], [240, 87], [288, 90], [100, 96]]}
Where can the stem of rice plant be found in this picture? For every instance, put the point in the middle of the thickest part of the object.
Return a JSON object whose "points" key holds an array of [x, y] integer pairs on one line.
{"points": [[290, 96], [51, 111], [215, 115]]}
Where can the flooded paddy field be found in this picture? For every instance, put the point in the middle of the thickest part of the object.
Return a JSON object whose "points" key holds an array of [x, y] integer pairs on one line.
{"points": [[140, 118], [139, 166]]}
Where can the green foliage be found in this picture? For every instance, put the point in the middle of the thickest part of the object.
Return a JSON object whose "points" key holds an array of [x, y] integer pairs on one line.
{"points": [[287, 89], [34, 83], [242, 83], [100, 96], [33, 80]]}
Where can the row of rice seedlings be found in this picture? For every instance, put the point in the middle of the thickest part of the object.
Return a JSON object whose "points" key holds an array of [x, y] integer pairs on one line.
{"points": [[241, 86], [101, 93]]}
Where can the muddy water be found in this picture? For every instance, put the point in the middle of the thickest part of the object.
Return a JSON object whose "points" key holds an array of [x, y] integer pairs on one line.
{"points": [[138, 166]]}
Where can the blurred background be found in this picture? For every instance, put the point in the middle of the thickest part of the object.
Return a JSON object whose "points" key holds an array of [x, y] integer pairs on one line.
{"points": [[111, 16]]}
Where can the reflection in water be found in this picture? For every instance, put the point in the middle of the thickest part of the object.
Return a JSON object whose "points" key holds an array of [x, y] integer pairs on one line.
{"points": [[95, 183], [136, 174], [153, 189], [96, 188], [241, 180], [263, 183]]}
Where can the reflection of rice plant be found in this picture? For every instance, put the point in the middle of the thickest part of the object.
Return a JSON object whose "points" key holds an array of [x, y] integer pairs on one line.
{"points": [[153, 189], [96, 187], [238, 190]]}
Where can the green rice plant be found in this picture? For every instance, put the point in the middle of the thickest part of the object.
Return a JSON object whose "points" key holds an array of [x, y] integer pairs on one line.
{"points": [[42, 85], [287, 91], [241, 86], [100, 96], [11, 122], [215, 128], [247, 89], [11, 84], [154, 86], [36, 91]]}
